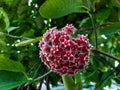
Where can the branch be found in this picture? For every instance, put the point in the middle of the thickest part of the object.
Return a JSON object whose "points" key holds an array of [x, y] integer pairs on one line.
{"points": [[13, 36], [105, 62], [117, 1], [90, 29], [69, 83], [106, 54], [40, 77]]}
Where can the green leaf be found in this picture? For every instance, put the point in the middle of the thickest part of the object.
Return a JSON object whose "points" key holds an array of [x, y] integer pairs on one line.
{"points": [[6, 0], [5, 17], [10, 65], [111, 29], [115, 3], [105, 79], [9, 80], [93, 76], [85, 23], [2, 44], [103, 14], [11, 29], [117, 80], [59, 8], [27, 42], [78, 78], [28, 33]]}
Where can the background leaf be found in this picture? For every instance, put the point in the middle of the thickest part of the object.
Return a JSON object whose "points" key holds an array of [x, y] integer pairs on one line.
{"points": [[111, 29], [9, 80], [2, 44], [59, 8], [103, 14], [5, 17], [115, 3]]}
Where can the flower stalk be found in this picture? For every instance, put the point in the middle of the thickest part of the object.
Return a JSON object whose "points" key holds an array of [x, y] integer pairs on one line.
{"points": [[69, 83]]}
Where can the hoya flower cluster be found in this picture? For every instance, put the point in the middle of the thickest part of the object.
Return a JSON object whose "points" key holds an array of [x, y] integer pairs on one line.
{"points": [[62, 53]]}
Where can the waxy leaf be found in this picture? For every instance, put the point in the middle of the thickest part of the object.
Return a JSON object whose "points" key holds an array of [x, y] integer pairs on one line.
{"points": [[59, 8], [9, 80], [111, 29], [10, 65]]}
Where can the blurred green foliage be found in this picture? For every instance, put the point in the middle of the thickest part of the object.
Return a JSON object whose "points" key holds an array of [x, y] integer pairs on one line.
{"points": [[23, 22]]}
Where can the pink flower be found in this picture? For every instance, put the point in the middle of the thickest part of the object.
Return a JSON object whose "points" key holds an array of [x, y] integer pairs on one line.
{"points": [[62, 53], [69, 28]]}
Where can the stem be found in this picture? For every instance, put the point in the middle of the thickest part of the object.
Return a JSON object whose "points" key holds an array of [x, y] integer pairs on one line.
{"points": [[47, 83], [91, 14], [13, 36], [69, 84], [91, 29], [16, 37], [94, 29], [106, 54], [40, 86], [104, 61], [117, 1], [37, 79]]}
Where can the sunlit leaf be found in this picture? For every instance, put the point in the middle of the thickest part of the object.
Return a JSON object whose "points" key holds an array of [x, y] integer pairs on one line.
{"points": [[59, 8]]}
